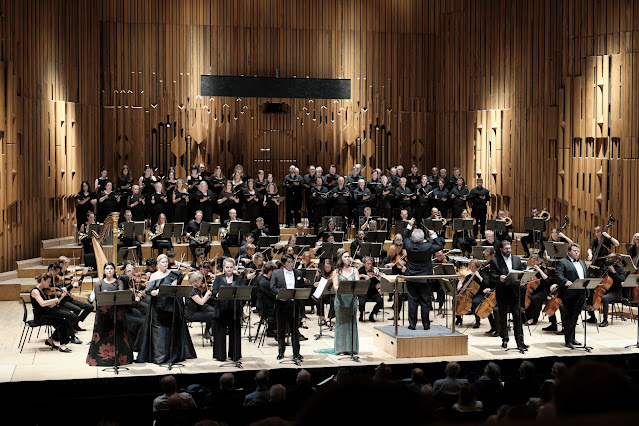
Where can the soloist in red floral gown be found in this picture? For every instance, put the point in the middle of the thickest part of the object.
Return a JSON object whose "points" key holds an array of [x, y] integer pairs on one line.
{"points": [[103, 343]]}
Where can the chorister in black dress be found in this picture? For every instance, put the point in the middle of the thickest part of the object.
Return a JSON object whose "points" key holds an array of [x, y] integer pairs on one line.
{"points": [[102, 349], [156, 342], [84, 204]]}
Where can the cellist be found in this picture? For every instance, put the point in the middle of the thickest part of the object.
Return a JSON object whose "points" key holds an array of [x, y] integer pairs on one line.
{"points": [[616, 273], [480, 276], [537, 296]]}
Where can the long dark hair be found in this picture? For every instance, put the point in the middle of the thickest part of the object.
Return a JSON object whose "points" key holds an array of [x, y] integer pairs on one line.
{"points": [[340, 263]]}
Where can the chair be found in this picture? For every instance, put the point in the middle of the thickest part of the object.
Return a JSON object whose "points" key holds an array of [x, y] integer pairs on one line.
{"points": [[31, 324], [259, 339], [619, 303], [190, 323]]}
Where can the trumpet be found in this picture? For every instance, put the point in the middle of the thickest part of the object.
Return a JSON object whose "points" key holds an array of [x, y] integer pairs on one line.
{"points": [[545, 215]]}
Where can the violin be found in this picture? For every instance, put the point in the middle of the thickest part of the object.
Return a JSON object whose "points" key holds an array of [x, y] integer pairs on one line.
{"points": [[399, 259]]}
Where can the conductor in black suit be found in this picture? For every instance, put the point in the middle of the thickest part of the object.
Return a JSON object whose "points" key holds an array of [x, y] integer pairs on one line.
{"points": [[569, 269], [508, 298], [418, 255], [286, 278]]}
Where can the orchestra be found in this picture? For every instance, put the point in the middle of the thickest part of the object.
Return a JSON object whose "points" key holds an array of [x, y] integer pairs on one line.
{"points": [[336, 205]]}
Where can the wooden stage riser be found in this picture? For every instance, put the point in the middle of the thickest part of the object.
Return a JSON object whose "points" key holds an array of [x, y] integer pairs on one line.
{"points": [[413, 347]]}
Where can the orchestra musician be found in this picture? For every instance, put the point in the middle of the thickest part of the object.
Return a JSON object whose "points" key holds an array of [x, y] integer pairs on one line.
{"points": [[508, 294], [463, 240], [501, 236], [435, 286], [555, 237], [606, 240], [190, 231], [435, 215], [570, 269], [479, 197], [158, 242], [533, 237], [418, 262], [287, 278], [130, 241], [198, 307], [260, 230], [356, 245], [489, 254], [267, 299], [372, 295], [616, 272], [46, 311], [482, 278], [540, 293], [490, 240], [78, 308]]}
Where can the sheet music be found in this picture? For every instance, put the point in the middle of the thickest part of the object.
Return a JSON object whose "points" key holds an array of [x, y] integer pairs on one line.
{"points": [[321, 284]]}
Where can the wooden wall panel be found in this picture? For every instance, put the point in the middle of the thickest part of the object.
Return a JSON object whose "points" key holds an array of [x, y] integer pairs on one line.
{"points": [[539, 97]]}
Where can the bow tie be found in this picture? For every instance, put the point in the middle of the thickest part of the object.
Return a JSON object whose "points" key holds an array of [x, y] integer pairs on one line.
{"points": [[575, 260]]}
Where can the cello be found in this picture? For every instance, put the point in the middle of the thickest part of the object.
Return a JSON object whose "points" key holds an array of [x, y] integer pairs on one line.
{"points": [[606, 283]]}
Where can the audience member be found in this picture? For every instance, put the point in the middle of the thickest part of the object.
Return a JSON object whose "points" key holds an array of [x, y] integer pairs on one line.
{"points": [[467, 400], [447, 390], [225, 403], [489, 388], [302, 391], [417, 380], [260, 397], [172, 399], [520, 390]]}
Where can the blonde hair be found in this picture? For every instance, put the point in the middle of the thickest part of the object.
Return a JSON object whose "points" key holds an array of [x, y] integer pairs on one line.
{"points": [[162, 257], [195, 279], [63, 259]]}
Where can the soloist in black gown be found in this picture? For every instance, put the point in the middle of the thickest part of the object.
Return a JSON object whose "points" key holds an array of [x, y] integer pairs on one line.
{"points": [[156, 342]]}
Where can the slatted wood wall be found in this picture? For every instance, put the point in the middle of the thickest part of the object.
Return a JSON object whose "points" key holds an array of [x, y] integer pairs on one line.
{"points": [[538, 97]]}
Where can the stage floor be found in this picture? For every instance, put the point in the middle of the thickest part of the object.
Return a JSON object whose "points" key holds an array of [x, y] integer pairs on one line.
{"points": [[37, 362]]}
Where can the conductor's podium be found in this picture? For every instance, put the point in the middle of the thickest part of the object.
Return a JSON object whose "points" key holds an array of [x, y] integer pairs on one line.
{"points": [[438, 341]]}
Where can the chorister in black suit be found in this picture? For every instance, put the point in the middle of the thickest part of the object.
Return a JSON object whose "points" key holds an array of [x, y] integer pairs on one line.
{"points": [[418, 262], [284, 278], [569, 270], [227, 317], [508, 293]]}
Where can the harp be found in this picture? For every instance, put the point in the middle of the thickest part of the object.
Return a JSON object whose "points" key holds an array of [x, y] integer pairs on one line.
{"points": [[109, 234]]}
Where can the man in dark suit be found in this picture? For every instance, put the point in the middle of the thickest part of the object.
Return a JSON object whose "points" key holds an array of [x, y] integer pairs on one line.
{"points": [[570, 269], [286, 278], [508, 293], [418, 255]]}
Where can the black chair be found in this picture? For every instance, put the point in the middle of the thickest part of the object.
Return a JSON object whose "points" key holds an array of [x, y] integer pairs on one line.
{"points": [[189, 323], [259, 338], [28, 326], [619, 303]]}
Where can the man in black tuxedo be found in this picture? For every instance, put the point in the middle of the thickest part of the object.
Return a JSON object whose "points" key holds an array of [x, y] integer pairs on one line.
{"points": [[569, 269], [230, 240], [287, 278], [508, 293], [418, 255]]}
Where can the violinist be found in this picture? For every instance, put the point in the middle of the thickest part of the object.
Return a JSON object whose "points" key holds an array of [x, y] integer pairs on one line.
{"points": [[172, 263], [616, 272], [605, 239], [372, 295], [46, 311], [464, 240], [199, 259], [140, 303], [539, 294], [305, 262], [246, 252], [77, 307], [395, 260], [482, 278], [198, 306]]}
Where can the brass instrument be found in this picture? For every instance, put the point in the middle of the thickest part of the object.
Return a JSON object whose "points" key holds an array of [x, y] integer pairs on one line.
{"points": [[508, 220], [443, 219], [545, 215], [223, 232], [197, 238], [160, 231]]}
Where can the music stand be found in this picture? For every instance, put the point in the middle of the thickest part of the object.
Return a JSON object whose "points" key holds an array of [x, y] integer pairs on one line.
{"points": [[329, 250], [464, 225], [339, 236], [376, 237], [297, 249], [436, 225], [478, 252], [307, 240], [205, 229], [450, 290], [517, 277], [214, 230], [173, 291], [172, 230], [585, 285], [555, 250], [296, 294], [132, 229], [373, 250], [444, 269], [309, 274], [631, 282], [318, 296], [627, 264], [239, 228], [353, 288], [235, 293], [115, 299], [387, 285], [400, 225], [266, 242]]}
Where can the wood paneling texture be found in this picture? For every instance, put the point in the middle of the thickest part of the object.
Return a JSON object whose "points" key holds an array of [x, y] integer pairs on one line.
{"points": [[539, 97]]}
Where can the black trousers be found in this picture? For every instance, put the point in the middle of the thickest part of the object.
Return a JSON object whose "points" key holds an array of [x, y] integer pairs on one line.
{"points": [[220, 326], [160, 245], [130, 242], [205, 314], [506, 306], [371, 297], [229, 241], [286, 320], [61, 322], [606, 300], [479, 213], [193, 246], [570, 315], [526, 240], [536, 303], [294, 209], [79, 308], [319, 212], [418, 295]]}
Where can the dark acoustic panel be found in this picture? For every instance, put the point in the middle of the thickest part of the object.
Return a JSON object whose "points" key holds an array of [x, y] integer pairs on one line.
{"points": [[271, 87]]}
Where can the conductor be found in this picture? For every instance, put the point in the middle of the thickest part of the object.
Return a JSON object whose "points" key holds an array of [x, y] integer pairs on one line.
{"points": [[418, 255]]}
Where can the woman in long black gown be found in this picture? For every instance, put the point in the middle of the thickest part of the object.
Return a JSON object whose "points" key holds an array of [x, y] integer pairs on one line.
{"points": [[156, 342], [103, 345], [180, 198], [85, 200], [252, 203], [271, 207], [226, 316]]}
